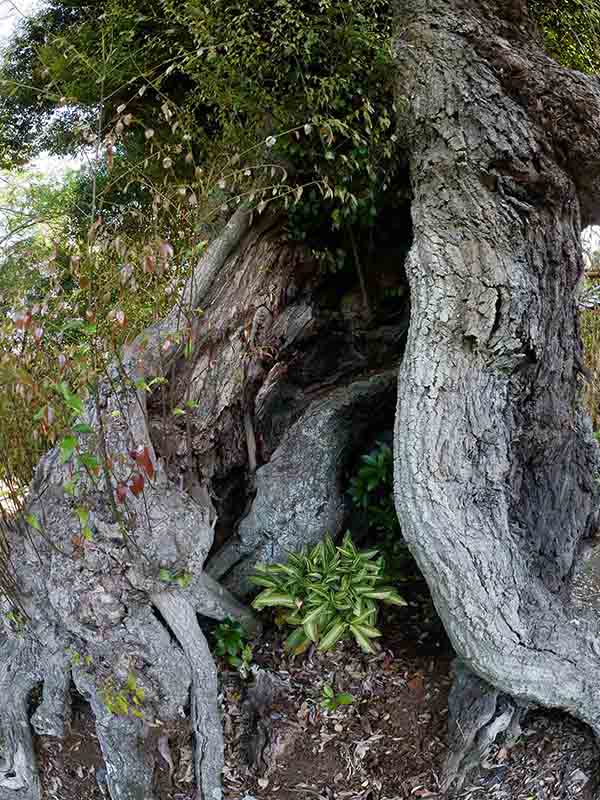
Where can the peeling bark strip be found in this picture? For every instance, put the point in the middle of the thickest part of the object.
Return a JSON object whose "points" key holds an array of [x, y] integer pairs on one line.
{"points": [[495, 468]]}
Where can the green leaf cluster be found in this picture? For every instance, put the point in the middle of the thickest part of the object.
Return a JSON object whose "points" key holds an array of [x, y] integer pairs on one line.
{"points": [[125, 700], [372, 488], [182, 579], [332, 700], [327, 594], [571, 31], [372, 491], [231, 643]]}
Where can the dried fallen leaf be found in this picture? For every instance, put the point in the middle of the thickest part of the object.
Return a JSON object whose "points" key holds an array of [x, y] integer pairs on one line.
{"points": [[416, 685], [165, 751]]}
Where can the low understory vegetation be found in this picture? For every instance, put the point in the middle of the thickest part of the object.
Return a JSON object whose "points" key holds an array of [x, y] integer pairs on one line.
{"points": [[327, 594], [590, 331], [331, 593]]}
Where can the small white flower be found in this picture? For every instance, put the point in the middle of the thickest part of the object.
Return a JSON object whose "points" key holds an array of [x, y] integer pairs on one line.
{"points": [[149, 133], [307, 129], [167, 162], [271, 141], [222, 184]]}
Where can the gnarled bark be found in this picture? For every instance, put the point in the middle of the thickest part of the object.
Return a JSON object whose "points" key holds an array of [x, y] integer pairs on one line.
{"points": [[263, 397], [495, 462], [89, 605]]}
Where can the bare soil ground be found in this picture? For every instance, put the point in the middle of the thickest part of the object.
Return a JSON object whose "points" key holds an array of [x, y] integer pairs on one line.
{"points": [[389, 744]]}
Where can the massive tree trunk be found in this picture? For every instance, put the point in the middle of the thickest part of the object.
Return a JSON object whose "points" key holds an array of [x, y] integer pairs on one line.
{"points": [[284, 380], [496, 468], [283, 384]]}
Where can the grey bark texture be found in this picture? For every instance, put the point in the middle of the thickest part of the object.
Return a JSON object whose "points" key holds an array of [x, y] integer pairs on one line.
{"points": [[299, 493], [495, 461], [99, 611], [495, 473], [89, 605]]}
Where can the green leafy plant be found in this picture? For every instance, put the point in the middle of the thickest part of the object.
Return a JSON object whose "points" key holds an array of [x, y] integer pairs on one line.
{"points": [[125, 700], [331, 701], [17, 620], [77, 660], [372, 489], [328, 594], [183, 579], [232, 645]]}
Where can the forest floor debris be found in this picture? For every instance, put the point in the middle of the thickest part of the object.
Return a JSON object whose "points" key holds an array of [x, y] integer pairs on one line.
{"points": [[389, 743]]}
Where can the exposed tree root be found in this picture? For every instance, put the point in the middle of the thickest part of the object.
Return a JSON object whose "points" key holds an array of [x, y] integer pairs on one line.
{"points": [[206, 720], [53, 715], [125, 745], [18, 675], [299, 496], [89, 602], [478, 715]]}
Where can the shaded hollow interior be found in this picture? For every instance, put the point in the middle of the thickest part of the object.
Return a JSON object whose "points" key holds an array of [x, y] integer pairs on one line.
{"points": [[327, 387]]}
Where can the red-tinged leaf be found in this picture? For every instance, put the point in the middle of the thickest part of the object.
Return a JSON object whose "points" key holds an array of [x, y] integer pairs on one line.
{"points": [[136, 484], [416, 685], [149, 263], [121, 492], [144, 460], [23, 321]]}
